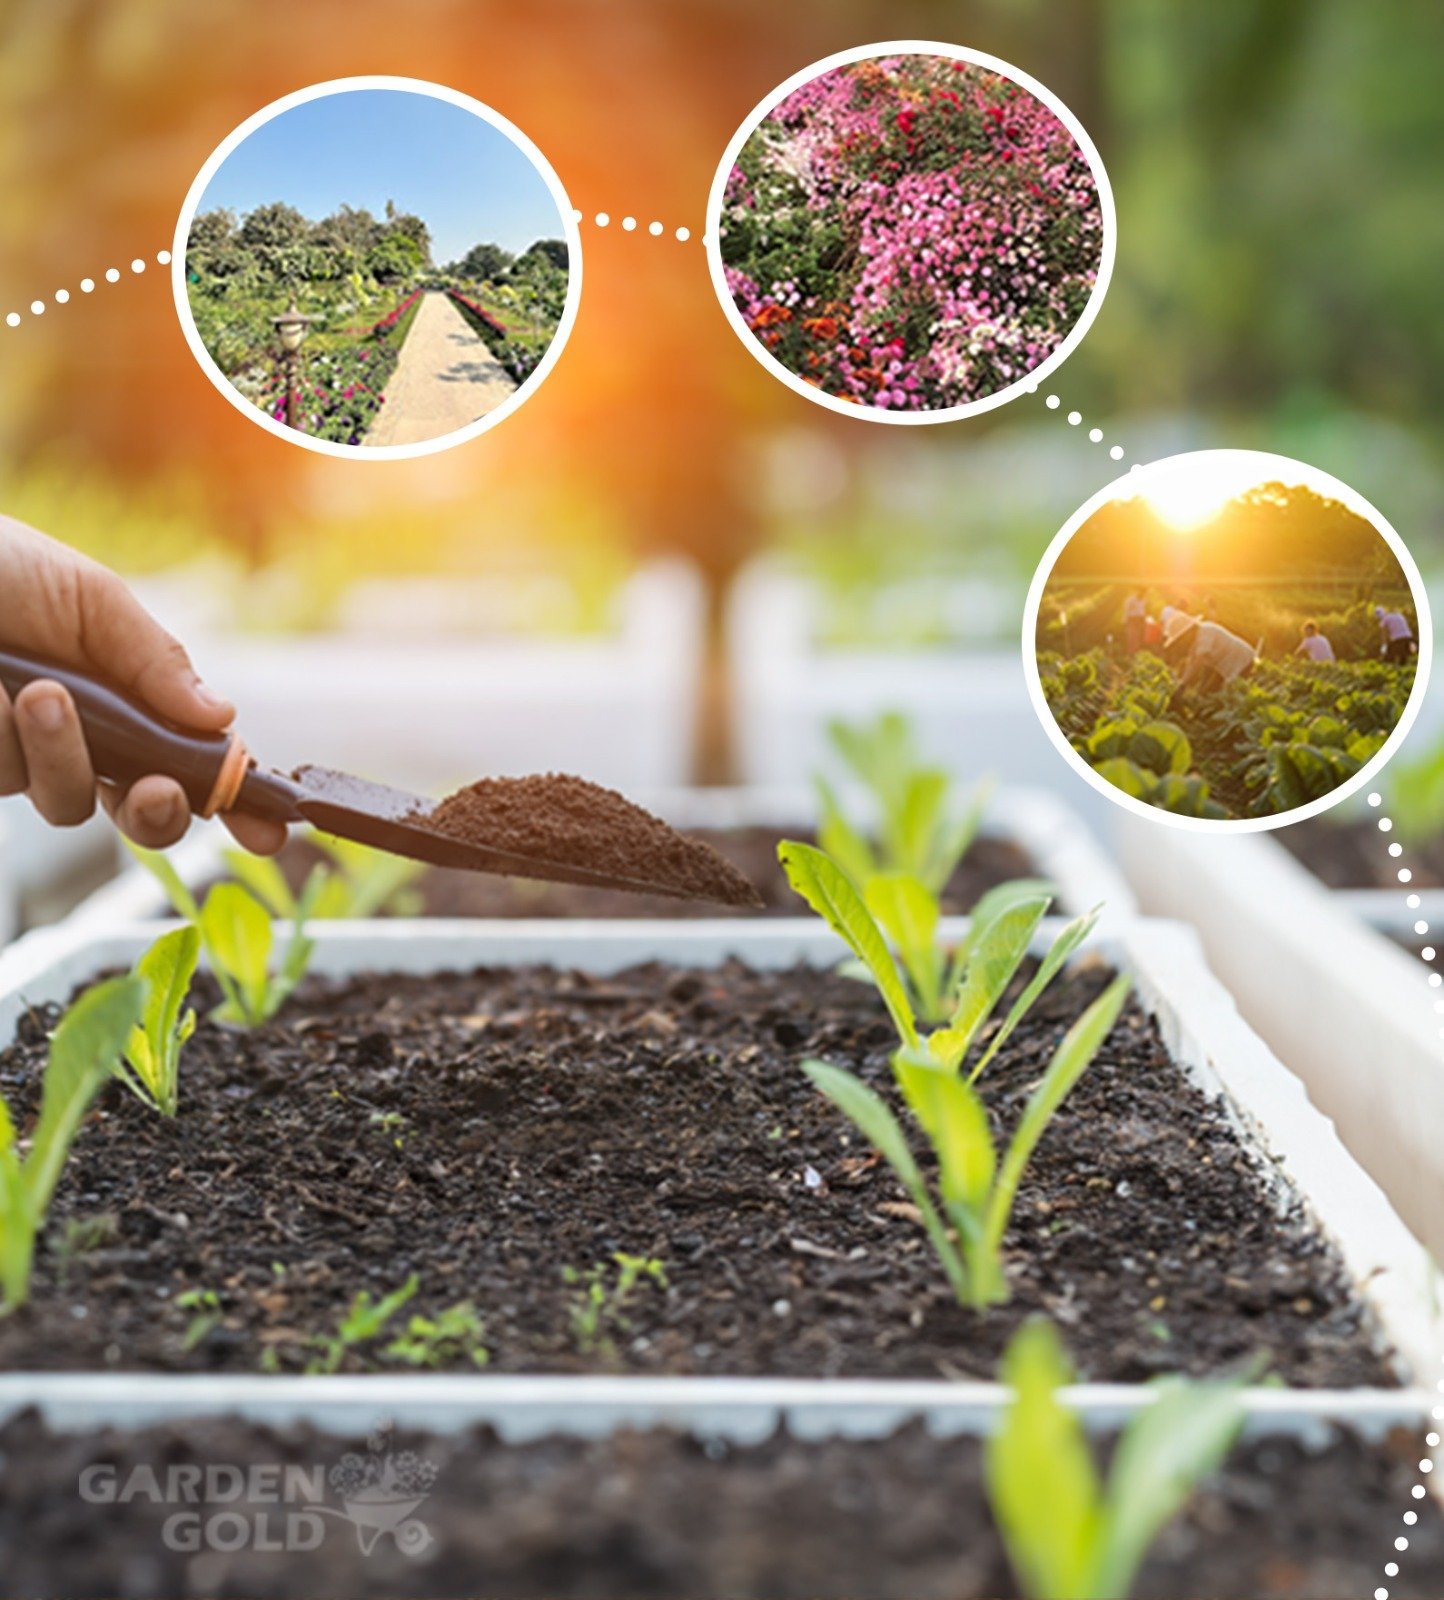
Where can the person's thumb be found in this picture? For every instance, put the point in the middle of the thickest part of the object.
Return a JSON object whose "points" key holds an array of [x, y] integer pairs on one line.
{"points": [[129, 648]]}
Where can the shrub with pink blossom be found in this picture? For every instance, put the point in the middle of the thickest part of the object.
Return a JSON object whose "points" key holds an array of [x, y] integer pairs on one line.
{"points": [[911, 232]]}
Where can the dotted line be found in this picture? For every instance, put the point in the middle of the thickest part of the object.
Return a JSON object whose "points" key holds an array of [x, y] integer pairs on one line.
{"points": [[1075, 420], [603, 219], [1428, 954], [61, 297]]}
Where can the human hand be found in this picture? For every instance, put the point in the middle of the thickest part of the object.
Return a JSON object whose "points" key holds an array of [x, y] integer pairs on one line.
{"points": [[68, 609]]}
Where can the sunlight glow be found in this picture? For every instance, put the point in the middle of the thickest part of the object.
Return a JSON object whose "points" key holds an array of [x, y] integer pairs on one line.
{"points": [[1190, 492]]}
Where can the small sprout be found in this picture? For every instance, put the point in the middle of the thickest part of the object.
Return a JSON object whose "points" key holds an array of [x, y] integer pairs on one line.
{"points": [[84, 1049], [206, 1304], [388, 1122], [599, 1309], [975, 1191], [1069, 1537], [454, 1335], [237, 936], [364, 1322], [151, 1064]]}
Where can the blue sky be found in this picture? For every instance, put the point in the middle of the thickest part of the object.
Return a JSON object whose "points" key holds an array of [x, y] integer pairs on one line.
{"points": [[366, 146]]}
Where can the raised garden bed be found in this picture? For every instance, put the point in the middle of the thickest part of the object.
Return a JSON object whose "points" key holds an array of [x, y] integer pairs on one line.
{"points": [[46, 871], [1027, 833], [1349, 1010], [496, 1107], [1298, 1510]]}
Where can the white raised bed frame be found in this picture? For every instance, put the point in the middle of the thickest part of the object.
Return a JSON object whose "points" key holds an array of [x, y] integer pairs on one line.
{"points": [[1200, 1027]]}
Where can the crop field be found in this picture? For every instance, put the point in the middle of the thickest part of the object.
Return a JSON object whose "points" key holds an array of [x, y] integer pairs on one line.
{"points": [[1289, 732]]}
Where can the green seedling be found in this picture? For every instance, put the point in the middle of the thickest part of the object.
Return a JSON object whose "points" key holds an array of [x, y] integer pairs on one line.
{"points": [[600, 1307], [916, 834], [454, 1335], [960, 990], [237, 936], [364, 1322], [205, 1304], [83, 1236], [1068, 1536], [975, 1191], [84, 1049], [150, 1067], [359, 882]]}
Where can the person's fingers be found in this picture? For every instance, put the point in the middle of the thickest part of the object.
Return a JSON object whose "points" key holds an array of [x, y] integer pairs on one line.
{"points": [[256, 834], [61, 784], [12, 757], [125, 643], [153, 811]]}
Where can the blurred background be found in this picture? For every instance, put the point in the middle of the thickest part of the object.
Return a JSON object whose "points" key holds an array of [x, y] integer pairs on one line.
{"points": [[1276, 168]]}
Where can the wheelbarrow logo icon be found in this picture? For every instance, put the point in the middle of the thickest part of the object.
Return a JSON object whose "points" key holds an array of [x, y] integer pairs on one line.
{"points": [[381, 1492]]}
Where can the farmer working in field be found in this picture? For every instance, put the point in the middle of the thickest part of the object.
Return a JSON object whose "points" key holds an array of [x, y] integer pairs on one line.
{"points": [[1135, 614], [75, 613], [1314, 645], [1212, 656], [1396, 633]]}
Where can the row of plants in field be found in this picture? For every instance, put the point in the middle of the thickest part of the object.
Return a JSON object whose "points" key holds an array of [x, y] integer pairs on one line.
{"points": [[518, 355], [911, 232], [1279, 737]]}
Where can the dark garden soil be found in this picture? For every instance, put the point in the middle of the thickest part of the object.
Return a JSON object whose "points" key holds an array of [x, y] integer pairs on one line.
{"points": [[753, 851], [658, 1516], [1355, 855], [569, 821], [487, 1131]]}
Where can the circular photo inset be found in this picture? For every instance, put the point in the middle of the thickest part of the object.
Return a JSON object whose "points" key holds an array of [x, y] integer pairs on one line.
{"points": [[377, 267], [911, 232], [1227, 640]]}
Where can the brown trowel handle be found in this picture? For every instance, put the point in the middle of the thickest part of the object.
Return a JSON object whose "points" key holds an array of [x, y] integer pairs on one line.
{"points": [[126, 741]]}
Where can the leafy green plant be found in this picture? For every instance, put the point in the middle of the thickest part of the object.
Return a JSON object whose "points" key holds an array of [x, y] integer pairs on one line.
{"points": [[959, 990], [975, 1190], [237, 935], [205, 1306], [1068, 1536], [600, 1307], [453, 1335], [357, 882], [364, 1322], [84, 1049], [916, 833], [150, 1066]]}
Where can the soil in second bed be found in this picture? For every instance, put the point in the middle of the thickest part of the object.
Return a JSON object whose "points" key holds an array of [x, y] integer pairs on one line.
{"points": [[489, 1131], [753, 851], [1353, 854], [659, 1516]]}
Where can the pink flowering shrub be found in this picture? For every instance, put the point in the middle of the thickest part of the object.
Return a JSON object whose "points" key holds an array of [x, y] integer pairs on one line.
{"points": [[911, 233]]}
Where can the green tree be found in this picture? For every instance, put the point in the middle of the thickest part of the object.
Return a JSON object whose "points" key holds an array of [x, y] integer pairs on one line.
{"points": [[485, 262], [395, 258], [213, 247], [277, 237]]}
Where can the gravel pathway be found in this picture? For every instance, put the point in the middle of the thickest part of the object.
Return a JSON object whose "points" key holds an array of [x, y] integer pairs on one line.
{"points": [[445, 379]]}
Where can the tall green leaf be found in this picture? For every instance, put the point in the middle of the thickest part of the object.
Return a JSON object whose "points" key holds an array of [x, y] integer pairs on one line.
{"points": [[152, 1052], [237, 933], [839, 839], [183, 902], [908, 914], [264, 878], [833, 896], [1181, 1438], [83, 1051], [995, 956], [1070, 1061], [956, 1124], [1052, 963]]}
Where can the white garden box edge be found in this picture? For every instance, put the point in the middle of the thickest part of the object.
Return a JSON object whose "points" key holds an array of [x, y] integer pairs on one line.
{"points": [[1057, 840], [1351, 1013], [1197, 1019]]}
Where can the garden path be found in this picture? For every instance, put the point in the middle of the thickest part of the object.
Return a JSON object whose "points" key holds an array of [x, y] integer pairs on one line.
{"points": [[445, 379]]}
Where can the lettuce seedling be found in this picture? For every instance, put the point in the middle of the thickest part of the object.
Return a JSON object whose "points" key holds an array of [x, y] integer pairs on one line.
{"points": [[84, 1049], [453, 1335], [599, 1309], [237, 936], [1067, 1536], [364, 1321], [916, 835], [960, 990], [150, 1067], [360, 882], [966, 1220]]}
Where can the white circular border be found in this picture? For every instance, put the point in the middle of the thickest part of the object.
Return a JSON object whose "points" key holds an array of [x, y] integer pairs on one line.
{"points": [[712, 236], [1314, 478], [388, 452]]}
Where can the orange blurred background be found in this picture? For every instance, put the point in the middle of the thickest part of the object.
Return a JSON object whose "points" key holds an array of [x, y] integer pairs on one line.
{"points": [[646, 427]]}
